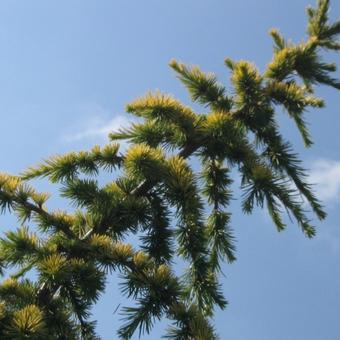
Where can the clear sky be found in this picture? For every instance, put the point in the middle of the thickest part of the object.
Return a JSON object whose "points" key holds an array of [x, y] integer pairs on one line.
{"points": [[68, 67]]}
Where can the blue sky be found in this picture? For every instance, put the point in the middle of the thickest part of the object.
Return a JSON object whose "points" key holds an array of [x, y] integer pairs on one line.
{"points": [[67, 69]]}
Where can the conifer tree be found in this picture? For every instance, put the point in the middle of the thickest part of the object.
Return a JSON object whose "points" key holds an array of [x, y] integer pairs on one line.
{"points": [[157, 195]]}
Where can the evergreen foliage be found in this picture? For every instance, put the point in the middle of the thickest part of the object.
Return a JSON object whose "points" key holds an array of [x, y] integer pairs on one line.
{"points": [[158, 196]]}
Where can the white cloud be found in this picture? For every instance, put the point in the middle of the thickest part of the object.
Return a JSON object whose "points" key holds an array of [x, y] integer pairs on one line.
{"points": [[97, 128], [325, 174], [96, 124]]}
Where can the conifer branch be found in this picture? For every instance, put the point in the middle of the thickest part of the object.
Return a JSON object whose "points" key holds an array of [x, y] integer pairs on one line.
{"points": [[79, 249]]}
